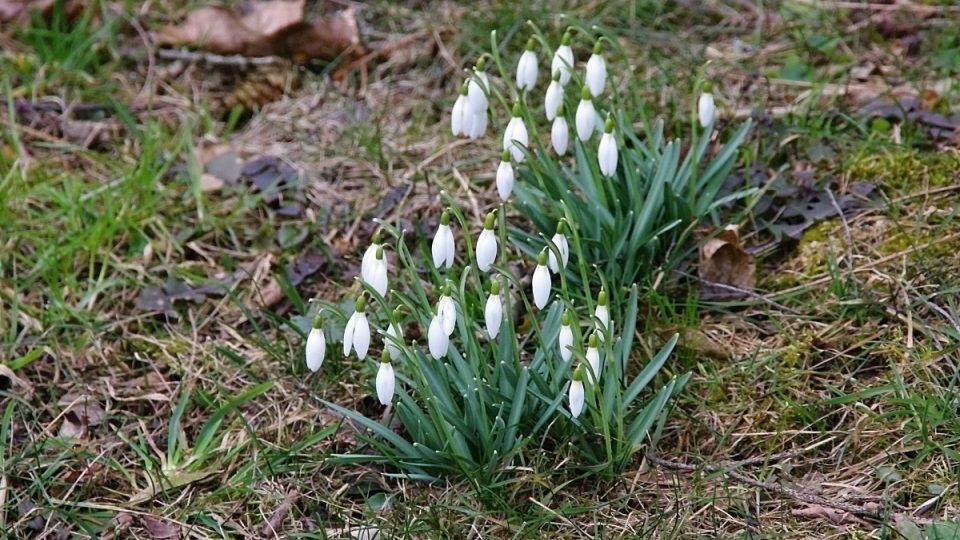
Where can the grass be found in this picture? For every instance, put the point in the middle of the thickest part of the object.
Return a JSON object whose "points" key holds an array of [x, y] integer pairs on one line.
{"points": [[204, 419]]}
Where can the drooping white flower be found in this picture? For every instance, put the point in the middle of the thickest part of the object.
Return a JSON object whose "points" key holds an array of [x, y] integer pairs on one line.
{"points": [[565, 339], [515, 137], [393, 335], [563, 60], [586, 118], [527, 67], [356, 335], [576, 393], [477, 88], [378, 272], [560, 135], [560, 240], [444, 247], [461, 119], [607, 153], [386, 380], [541, 281], [706, 108], [369, 256], [437, 338], [487, 244], [593, 356], [553, 98], [596, 77], [505, 177], [602, 314], [447, 310], [493, 311], [478, 125], [316, 345]]}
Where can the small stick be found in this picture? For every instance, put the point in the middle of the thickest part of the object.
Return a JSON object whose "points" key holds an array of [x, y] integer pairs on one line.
{"points": [[218, 59], [271, 526], [738, 290]]}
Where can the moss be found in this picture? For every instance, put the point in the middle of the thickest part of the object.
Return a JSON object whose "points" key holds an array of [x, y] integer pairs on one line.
{"points": [[907, 170]]}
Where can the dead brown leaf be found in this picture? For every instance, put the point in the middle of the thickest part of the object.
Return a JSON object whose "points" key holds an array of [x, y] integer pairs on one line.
{"points": [[9, 380], [833, 515], [267, 28], [82, 412], [159, 529], [723, 261]]}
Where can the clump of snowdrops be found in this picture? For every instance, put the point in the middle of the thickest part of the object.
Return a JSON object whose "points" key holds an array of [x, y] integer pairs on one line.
{"points": [[505, 361]]}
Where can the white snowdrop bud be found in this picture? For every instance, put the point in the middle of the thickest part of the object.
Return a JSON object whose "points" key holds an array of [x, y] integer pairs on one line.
{"points": [[493, 311], [515, 137], [560, 240], [527, 67], [565, 339], [596, 77], [602, 314], [505, 177], [576, 393], [706, 108], [316, 345], [541, 281], [461, 119], [444, 247], [487, 244], [563, 59], [560, 134], [593, 356], [386, 380], [586, 117], [356, 335], [447, 310], [437, 339], [553, 98], [607, 153]]}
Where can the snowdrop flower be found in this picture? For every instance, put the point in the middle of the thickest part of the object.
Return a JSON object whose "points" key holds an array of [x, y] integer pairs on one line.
{"points": [[393, 331], [437, 338], [576, 392], [560, 133], [607, 153], [593, 356], [386, 380], [602, 315], [596, 71], [586, 118], [377, 277], [443, 247], [706, 108], [369, 256], [316, 345], [356, 335], [477, 88], [527, 67], [563, 60], [447, 310], [553, 98], [560, 240], [493, 312], [505, 176], [565, 340], [478, 125], [541, 281], [515, 136], [461, 120], [487, 244]]}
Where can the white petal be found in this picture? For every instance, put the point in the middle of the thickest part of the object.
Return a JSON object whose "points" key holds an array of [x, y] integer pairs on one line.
{"points": [[486, 250], [315, 349], [385, 383], [563, 247], [378, 276], [562, 62], [527, 71], [553, 99], [476, 91], [576, 398], [607, 154], [586, 119], [478, 125], [361, 336], [348, 333], [515, 137], [437, 339], [505, 180], [593, 358], [451, 246], [493, 315], [392, 348], [565, 340], [541, 286], [602, 313], [447, 311], [706, 109], [560, 135], [439, 247], [457, 116], [366, 263], [596, 74]]}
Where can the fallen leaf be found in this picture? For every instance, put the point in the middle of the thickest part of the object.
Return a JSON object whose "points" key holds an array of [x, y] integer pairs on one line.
{"points": [[209, 182], [81, 413], [907, 528], [724, 261], [833, 515], [163, 298], [22, 11], [9, 380], [267, 28], [226, 166], [159, 529]]}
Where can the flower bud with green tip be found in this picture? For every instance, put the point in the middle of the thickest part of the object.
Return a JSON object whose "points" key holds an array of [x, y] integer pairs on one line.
{"points": [[505, 176], [563, 59], [316, 347], [593, 356], [487, 244], [576, 395], [356, 335], [607, 153], [541, 281], [586, 117], [527, 67], [443, 248], [386, 380], [515, 137], [596, 76], [493, 311], [565, 339], [560, 240]]}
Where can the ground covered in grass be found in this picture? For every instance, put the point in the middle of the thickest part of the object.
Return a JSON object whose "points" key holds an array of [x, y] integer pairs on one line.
{"points": [[159, 248]]}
